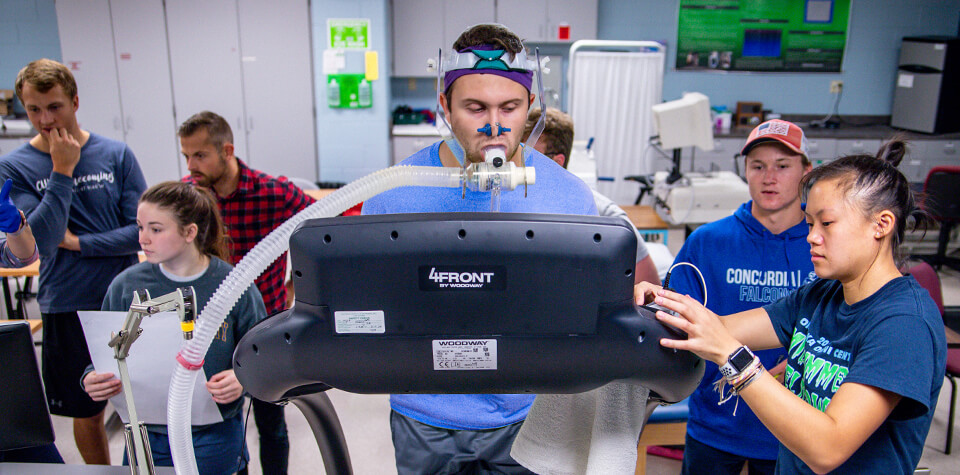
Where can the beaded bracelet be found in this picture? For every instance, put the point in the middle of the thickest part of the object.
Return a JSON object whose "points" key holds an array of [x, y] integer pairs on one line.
{"points": [[749, 380], [738, 382]]}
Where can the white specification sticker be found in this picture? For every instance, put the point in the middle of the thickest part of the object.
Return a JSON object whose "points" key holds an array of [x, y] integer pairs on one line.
{"points": [[369, 321], [464, 354], [905, 80]]}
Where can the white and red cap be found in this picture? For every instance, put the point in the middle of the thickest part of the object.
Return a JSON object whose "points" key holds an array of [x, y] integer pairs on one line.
{"points": [[787, 133]]}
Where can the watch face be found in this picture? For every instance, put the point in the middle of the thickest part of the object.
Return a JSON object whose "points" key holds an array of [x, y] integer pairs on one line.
{"points": [[741, 358]]}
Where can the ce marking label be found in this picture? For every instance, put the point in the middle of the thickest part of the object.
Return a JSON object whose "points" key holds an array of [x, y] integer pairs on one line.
{"points": [[464, 355]]}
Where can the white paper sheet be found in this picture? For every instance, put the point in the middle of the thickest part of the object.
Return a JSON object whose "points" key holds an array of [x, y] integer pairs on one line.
{"points": [[334, 60], [151, 362]]}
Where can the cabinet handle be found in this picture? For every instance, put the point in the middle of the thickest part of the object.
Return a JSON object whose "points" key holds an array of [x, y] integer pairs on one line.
{"points": [[949, 148]]}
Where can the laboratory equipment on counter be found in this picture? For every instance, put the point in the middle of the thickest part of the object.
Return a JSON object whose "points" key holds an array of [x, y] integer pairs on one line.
{"points": [[698, 198], [684, 122]]}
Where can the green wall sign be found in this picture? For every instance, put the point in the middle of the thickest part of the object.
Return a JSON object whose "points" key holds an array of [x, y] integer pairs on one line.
{"points": [[349, 33]]}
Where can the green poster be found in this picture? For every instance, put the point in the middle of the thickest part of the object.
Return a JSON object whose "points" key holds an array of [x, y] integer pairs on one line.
{"points": [[349, 33], [762, 35]]}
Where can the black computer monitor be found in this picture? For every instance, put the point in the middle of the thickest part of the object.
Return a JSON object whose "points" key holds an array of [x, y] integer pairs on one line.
{"points": [[24, 405], [463, 303]]}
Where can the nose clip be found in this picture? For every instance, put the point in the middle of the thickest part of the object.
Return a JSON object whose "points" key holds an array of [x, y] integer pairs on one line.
{"points": [[486, 129], [501, 129]]}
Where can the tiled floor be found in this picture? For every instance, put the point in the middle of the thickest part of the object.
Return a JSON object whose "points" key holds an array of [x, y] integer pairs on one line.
{"points": [[365, 424]]}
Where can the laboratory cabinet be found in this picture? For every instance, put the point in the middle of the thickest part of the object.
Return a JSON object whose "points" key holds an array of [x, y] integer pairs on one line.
{"points": [[540, 21], [117, 53], [857, 146], [407, 145], [821, 150], [720, 158], [922, 155], [8, 145], [422, 27], [144, 67]]}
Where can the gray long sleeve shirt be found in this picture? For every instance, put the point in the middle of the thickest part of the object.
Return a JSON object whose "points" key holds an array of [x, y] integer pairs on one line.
{"points": [[98, 204]]}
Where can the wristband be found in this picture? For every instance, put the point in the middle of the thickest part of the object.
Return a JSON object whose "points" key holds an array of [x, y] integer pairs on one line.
{"points": [[743, 385]]}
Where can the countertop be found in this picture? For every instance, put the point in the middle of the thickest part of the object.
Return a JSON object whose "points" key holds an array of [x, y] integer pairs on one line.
{"points": [[16, 129], [415, 130], [879, 132], [851, 127], [854, 128]]}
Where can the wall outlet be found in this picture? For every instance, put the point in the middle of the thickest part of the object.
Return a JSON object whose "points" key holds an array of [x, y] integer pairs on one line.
{"points": [[836, 87]]}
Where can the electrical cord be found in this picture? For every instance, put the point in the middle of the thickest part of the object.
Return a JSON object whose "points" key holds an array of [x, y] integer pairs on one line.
{"points": [[243, 443], [834, 112], [703, 282]]}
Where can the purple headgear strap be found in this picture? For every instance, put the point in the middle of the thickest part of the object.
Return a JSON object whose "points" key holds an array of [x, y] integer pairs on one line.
{"points": [[524, 78]]}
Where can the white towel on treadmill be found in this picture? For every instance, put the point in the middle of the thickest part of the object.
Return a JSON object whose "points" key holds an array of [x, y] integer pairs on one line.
{"points": [[595, 432]]}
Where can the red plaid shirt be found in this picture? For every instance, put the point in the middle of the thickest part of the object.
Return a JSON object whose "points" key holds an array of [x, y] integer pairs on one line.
{"points": [[260, 204]]}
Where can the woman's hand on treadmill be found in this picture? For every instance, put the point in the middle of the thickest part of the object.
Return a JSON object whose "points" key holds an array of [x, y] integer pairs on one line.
{"points": [[101, 386], [645, 292], [707, 337]]}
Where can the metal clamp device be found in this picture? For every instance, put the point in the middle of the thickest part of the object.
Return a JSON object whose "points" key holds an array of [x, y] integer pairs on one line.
{"points": [[184, 301]]}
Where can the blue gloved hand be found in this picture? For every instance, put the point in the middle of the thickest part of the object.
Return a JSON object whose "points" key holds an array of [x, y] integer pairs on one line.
{"points": [[9, 214]]}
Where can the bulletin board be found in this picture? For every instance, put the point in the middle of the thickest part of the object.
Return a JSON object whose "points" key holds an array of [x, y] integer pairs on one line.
{"points": [[762, 35]]}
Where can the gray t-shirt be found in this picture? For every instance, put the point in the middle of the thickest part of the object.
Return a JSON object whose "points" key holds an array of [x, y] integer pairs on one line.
{"points": [[607, 207]]}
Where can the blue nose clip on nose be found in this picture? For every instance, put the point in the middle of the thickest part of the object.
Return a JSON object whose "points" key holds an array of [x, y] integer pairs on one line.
{"points": [[501, 129], [486, 129]]}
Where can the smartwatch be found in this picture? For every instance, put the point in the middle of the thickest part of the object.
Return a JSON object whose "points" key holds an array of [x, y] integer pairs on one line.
{"points": [[737, 362]]}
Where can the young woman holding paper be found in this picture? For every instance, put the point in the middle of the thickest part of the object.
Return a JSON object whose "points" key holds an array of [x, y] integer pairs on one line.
{"points": [[183, 238]]}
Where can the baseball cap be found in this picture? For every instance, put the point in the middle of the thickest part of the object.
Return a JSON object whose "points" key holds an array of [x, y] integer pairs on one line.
{"points": [[787, 133]]}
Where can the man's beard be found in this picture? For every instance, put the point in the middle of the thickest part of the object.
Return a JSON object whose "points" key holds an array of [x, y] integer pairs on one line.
{"points": [[202, 180]]}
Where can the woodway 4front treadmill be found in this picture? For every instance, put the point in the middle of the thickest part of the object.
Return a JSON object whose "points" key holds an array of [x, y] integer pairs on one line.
{"points": [[458, 303]]}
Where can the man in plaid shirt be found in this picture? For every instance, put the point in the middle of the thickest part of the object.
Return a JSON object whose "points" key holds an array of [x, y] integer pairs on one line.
{"points": [[252, 204]]}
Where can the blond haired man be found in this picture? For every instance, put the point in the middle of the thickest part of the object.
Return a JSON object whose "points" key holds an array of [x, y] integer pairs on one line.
{"points": [[79, 191]]}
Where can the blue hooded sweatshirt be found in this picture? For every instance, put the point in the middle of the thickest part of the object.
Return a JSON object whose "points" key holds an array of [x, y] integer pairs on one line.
{"points": [[745, 267]]}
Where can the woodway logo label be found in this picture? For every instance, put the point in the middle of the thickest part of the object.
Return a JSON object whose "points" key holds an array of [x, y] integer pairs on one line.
{"points": [[462, 278]]}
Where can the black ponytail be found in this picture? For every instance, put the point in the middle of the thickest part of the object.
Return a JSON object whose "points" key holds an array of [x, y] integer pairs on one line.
{"points": [[873, 184]]}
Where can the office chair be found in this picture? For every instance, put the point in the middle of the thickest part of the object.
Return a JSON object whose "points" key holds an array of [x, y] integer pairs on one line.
{"points": [[943, 203], [953, 372], [928, 279]]}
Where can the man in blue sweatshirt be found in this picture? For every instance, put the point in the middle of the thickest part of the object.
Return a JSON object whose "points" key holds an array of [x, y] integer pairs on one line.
{"points": [[79, 191], [748, 260]]}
